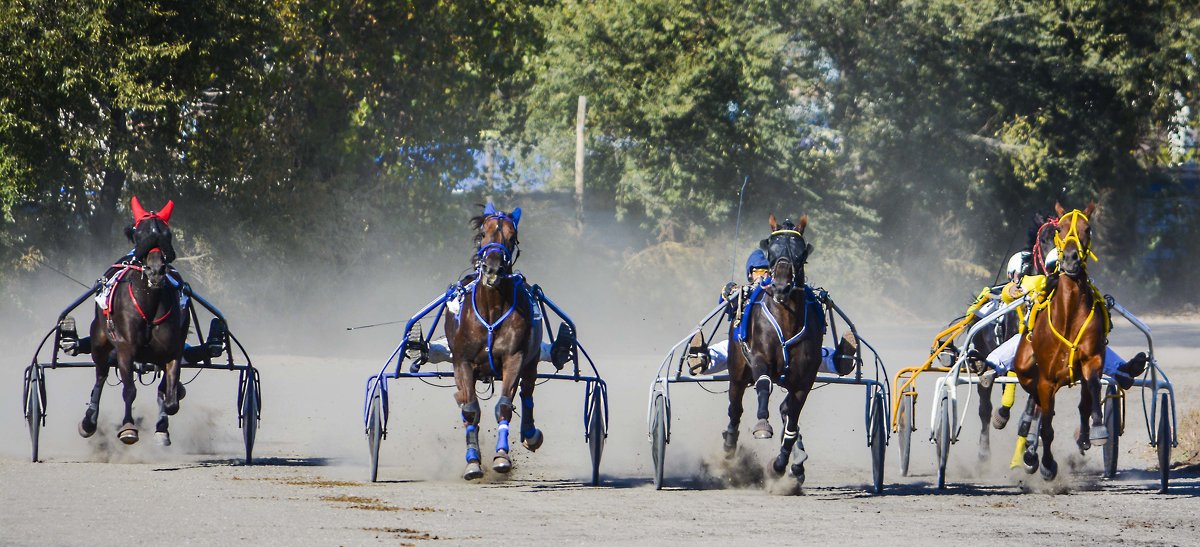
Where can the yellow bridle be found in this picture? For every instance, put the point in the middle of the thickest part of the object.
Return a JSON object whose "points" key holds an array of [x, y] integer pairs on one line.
{"points": [[1073, 235]]}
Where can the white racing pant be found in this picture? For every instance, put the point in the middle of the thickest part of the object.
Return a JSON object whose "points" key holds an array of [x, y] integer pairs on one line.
{"points": [[1002, 357], [439, 351], [719, 359]]}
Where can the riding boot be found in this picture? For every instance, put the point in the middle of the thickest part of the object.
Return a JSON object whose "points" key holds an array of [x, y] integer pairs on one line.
{"points": [[69, 340], [697, 355], [1136, 366], [846, 354], [415, 347], [562, 350]]}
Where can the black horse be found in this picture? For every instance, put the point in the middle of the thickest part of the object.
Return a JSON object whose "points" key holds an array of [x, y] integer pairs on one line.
{"points": [[779, 342], [144, 323], [496, 335]]}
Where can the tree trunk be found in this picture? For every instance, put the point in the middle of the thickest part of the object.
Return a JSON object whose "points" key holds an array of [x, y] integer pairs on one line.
{"points": [[112, 185]]}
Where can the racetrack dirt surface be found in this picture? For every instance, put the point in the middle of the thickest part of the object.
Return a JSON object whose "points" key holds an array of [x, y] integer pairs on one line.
{"points": [[308, 485]]}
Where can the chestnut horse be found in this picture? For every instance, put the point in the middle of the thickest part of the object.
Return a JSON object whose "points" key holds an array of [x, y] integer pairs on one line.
{"points": [[1066, 344], [496, 335], [780, 343], [144, 323]]}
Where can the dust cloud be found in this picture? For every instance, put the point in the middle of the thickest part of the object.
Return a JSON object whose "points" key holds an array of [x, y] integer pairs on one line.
{"points": [[630, 298]]}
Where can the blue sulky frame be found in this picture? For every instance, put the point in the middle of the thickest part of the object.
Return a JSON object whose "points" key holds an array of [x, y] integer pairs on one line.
{"points": [[595, 402], [1159, 414], [671, 371], [249, 394]]}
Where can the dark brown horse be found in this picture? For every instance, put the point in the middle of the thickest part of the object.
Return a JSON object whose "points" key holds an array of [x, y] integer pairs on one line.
{"points": [[780, 343], [496, 335], [144, 323], [1067, 343]]}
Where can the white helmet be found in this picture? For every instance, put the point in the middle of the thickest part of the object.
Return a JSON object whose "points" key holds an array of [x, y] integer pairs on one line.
{"points": [[1018, 265], [1052, 260]]}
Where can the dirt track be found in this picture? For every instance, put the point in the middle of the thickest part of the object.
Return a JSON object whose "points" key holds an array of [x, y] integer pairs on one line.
{"points": [[308, 486]]}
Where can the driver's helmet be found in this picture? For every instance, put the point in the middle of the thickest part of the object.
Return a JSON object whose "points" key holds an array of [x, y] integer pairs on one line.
{"points": [[757, 265], [1019, 264], [1052, 261]]}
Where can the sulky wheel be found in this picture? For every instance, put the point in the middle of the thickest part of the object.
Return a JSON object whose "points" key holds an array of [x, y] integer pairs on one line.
{"points": [[878, 442], [658, 434], [942, 438], [375, 431], [249, 405], [596, 431], [34, 403], [1112, 421], [1164, 441], [904, 427]]}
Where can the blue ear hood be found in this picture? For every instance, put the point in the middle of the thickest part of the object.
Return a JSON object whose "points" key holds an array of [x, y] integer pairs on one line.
{"points": [[516, 216], [489, 209]]}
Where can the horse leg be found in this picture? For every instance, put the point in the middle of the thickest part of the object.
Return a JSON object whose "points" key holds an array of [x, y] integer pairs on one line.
{"points": [[1046, 394], [1098, 432], [128, 433], [468, 403], [168, 401], [736, 390], [762, 386], [790, 410], [501, 463], [985, 417], [531, 436], [87, 427]]}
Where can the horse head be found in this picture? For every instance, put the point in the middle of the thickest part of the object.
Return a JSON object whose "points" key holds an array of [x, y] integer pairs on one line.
{"points": [[496, 244], [1073, 239], [786, 253], [151, 238]]}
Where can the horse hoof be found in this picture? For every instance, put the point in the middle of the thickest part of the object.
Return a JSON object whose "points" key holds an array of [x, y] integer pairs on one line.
{"points": [[474, 471], [779, 466], [501, 463], [533, 442], [1049, 470], [180, 392], [798, 472], [86, 429], [163, 438], [763, 430], [1099, 435], [1031, 462], [128, 434], [1000, 418]]}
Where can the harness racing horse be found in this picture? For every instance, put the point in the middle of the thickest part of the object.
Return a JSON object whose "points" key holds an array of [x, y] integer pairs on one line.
{"points": [[496, 335], [144, 323], [780, 343], [1066, 344]]}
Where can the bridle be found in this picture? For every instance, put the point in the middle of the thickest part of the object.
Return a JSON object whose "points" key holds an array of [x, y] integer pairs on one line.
{"points": [[507, 256], [1060, 242], [793, 262]]}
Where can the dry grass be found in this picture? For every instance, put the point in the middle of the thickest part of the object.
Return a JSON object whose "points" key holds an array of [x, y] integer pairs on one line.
{"points": [[1188, 452], [404, 533]]}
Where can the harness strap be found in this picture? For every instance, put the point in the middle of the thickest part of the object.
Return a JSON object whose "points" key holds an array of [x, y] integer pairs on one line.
{"points": [[1072, 345], [491, 327]]}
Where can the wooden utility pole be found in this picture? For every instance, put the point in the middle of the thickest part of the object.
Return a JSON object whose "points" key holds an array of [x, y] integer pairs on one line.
{"points": [[580, 118]]}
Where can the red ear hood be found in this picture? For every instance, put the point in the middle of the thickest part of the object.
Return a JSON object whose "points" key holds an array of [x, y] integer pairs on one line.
{"points": [[138, 212], [165, 212]]}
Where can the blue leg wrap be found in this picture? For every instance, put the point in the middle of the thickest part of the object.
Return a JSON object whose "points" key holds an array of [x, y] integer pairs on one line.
{"points": [[527, 428], [502, 436], [472, 443]]}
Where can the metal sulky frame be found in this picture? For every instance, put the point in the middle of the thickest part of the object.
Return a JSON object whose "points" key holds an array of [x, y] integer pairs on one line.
{"points": [[671, 371], [595, 402], [946, 421], [220, 341]]}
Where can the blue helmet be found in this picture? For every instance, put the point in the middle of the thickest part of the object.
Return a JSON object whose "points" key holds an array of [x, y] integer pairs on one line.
{"points": [[757, 261]]}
